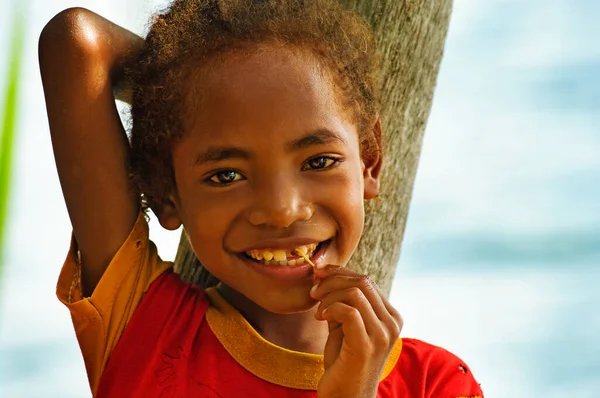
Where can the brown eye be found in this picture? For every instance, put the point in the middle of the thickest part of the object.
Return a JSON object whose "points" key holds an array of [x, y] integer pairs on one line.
{"points": [[319, 163], [225, 177]]}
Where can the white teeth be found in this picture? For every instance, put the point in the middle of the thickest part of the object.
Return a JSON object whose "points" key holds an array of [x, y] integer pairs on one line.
{"points": [[280, 257]]}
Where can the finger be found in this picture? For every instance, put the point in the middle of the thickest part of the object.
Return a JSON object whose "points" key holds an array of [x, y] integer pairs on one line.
{"points": [[331, 284], [385, 312], [331, 269], [353, 327], [395, 328], [392, 317], [338, 282], [355, 298], [395, 320]]}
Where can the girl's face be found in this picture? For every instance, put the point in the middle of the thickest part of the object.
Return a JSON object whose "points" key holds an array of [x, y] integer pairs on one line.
{"points": [[269, 164]]}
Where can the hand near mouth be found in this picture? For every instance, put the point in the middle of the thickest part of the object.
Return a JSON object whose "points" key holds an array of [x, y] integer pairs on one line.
{"points": [[363, 329]]}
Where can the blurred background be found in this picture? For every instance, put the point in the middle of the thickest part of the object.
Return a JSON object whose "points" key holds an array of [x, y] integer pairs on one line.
{"points": [[501, 258]]}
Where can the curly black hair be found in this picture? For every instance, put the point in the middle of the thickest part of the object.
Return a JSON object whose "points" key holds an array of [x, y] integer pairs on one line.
{"points": [[190, 32]]}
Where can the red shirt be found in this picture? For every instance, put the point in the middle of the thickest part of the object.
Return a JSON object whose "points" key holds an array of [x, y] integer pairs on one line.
{"points": [[183, 341]]}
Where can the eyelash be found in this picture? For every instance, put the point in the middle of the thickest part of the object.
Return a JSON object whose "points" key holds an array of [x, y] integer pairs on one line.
{"points": [[334, 162], [220, 173]]}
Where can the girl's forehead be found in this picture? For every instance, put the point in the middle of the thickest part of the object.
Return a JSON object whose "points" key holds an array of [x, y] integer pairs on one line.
{"points": [[271, 83], [265, 98]]}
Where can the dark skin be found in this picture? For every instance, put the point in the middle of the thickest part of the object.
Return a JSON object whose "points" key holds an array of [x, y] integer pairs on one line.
{"points": [[296, 155]]}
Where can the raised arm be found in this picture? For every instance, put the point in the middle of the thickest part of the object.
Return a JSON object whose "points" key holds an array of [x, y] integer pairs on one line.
{"points": [[81, 56]]}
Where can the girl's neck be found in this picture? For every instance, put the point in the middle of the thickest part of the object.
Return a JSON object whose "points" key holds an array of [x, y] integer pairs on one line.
{"points": [[296, 332]]}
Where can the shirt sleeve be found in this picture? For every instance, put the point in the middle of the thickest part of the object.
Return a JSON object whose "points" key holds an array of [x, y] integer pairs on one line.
{"points": [[100, 320], [428, 371], [450, 377]]}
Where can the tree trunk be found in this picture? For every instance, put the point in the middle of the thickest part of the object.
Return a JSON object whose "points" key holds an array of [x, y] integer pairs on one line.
{"points": [[411, 36]]}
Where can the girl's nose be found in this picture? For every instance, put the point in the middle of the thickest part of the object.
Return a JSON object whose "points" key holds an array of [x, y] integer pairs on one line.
{"points": [[279, 204]]}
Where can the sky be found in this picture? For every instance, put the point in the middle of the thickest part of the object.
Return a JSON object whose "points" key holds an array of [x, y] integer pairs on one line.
{"points": [[501, 258]]}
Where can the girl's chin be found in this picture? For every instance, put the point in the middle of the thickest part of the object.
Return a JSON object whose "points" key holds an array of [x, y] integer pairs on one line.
{"points": [[273, 298], [288, 305]]}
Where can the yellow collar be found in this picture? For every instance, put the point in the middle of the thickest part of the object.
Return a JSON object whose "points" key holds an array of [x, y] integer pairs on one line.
{"points": [[266, 360]]}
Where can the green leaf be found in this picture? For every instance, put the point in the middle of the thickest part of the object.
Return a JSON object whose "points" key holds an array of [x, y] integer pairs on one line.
{"points": [[9, 114]]}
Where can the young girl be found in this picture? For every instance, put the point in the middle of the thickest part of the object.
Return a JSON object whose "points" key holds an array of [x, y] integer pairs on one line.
{"points": [[255, 125]]}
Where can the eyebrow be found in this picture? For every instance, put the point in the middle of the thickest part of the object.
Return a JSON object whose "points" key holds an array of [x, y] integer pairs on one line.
{"points": [[219, 153], [318, 137]]}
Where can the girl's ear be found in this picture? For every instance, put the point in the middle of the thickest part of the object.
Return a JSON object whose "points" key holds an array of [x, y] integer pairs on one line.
{"points": [[372, 162], [167, 214]]}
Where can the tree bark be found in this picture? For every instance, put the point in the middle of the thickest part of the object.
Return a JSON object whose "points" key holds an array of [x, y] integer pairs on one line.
{"points": [[411, 36]]}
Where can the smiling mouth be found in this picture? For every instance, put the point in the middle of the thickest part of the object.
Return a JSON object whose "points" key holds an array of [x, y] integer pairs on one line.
{"points": [[278, 257]]}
